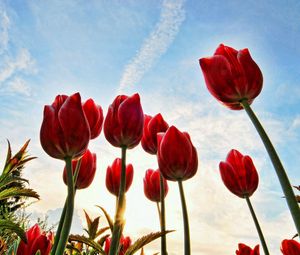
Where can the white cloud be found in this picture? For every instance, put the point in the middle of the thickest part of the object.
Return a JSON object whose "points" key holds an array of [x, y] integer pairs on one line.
{"points": [[172, 15], [4, 27], [17, 85], [23, 62]]}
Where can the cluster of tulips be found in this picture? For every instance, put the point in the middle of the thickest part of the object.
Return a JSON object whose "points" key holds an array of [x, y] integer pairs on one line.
{"points": [[232, 77]]}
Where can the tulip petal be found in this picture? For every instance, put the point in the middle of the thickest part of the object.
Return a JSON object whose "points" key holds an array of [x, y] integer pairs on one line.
{"points": [[131, 119], [252, 72], [74, 125]]}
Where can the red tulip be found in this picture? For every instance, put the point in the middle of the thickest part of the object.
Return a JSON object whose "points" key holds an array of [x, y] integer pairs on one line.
{"points": [[125, 242], [177, 157], [239, 174], [94, 115], [232, 76], [113, 176], [152, 126], [290, 247], [152, 185], [65, 130], [36, 241], [86, 172], [246, 250], [123, 125]]}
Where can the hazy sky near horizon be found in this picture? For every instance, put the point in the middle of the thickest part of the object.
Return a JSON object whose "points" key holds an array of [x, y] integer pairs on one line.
{"points": [[104, 48]]}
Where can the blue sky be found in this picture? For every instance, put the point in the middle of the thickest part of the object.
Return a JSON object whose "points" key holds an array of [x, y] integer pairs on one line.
{"points": [[102, 48]]}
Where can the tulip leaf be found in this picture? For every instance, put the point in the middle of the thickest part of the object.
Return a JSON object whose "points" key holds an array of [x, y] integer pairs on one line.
{"points": [[142, 241], [7, 224], [87, 241], [108, 218]]}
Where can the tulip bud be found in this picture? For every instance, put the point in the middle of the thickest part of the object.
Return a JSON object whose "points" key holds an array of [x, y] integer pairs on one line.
{"points": [[177, 157], [125, 242], [239, 174], [113, 177], [152, 185], [65, 130], [290, 247], [232, 76], [246, 250], [123, 125], [86, 172], [94, 115], [36, 241], [152, 126]]}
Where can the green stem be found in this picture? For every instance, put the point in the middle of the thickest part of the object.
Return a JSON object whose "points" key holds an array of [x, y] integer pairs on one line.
{"points": [[163, 216], [282, 176], [158, 211], [63, 214], [259, 231], [69, 211], [121, 206], [187, 245], [57, 235]]}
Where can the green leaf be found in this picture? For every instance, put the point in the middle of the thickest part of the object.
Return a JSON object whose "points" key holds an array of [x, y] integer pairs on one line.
{"points": [[102, 240], [87, 241], [93, 228], [10, 180], [138, 244], [108, 218], [13, 192], [88, 219], [7, 224], [8, 156], [101, 231], [72, 248]]}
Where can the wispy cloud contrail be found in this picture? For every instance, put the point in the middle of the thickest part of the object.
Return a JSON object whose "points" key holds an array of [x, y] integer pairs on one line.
{"points": [[171, 17], [4, 26]]}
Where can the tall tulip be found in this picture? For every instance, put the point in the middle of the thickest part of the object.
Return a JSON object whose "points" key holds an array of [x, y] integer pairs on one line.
{"points": [[239, 174], [113, 177], [152, 126], [290, 247], [235, 80], [232, 76], [65, 130], [94, 115], [152, 185], [178, 161], [86, 172], [65, 134], [123, 125], [123, 128], [177, 157], [36, 241], [246, 250], [241, 178]]}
